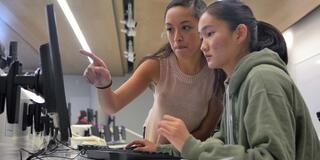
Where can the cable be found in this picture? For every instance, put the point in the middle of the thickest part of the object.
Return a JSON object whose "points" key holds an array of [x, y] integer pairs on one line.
{"points": [[36, 155], [32, 155], [50, 149], [20, 154], [66, 145], [53, 156]]}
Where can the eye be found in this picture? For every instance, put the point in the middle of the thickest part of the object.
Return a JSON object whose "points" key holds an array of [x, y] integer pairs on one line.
{"points": [[186, 27], [209, 34], [169, 29]]}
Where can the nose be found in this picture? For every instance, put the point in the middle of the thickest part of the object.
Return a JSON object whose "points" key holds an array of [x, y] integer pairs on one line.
{"points": [[204, 46], [178, 36]]}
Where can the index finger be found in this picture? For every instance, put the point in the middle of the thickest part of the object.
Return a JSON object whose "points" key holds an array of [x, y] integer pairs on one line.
{"points": [[96, 59]]}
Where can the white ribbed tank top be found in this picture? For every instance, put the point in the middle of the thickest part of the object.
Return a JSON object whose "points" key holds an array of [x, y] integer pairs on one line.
{"points": [[184, 96]]}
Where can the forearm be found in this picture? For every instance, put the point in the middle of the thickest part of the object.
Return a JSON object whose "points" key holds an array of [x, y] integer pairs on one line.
{"points": [[168, 148], [107, 101], [213, 148]]}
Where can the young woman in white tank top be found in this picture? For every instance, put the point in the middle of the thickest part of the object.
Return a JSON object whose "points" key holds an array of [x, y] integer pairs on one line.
{"points": [[183, 84]]}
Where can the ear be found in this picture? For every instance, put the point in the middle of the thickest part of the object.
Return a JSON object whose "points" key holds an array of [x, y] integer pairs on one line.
{"points": [[241, 33]]}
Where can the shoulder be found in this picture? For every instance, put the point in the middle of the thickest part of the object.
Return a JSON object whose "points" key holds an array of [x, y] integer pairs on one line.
{"points": [[269, 78], [267, 73], [149, 68], [150, 65]]}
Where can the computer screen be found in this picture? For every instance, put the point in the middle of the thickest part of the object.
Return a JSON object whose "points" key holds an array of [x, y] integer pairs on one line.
{"points": [[48, 82], [13, 93], [90, 115], [10, 92], [52, 78]]}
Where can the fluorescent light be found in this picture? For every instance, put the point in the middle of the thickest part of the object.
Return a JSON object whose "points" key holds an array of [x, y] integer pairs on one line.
{"points": [[288, 36], [74, 25]]}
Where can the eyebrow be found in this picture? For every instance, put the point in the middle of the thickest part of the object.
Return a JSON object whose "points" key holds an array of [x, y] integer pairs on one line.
{"points": [[183, 22], [205, 28]]}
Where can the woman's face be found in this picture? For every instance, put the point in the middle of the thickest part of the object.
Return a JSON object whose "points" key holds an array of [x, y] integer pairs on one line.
{"points": [[218, 42], [182, 31]]}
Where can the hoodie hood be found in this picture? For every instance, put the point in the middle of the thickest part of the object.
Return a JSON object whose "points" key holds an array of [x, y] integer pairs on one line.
{"points": [[247, 63]]}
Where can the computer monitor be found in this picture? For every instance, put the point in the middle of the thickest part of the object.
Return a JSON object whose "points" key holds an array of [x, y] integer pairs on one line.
{"points": [[2, 100], [90, 115], [48, 81], [9, 91], [52, 78], [13, 93]]}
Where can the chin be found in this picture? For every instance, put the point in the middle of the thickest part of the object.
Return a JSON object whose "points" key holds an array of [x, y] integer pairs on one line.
{"points": [[182, 51], [213, 65]]}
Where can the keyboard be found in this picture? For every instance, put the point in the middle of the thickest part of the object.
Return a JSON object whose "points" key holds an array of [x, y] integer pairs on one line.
{"points": [[104, 152]]}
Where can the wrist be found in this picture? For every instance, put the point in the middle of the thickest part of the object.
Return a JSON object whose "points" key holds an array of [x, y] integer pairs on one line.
{"points": [[183, 141], [189, 147], [105, 87]]}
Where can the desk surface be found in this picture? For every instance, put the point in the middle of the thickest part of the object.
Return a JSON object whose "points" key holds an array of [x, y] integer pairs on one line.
{"points": [[10, 148], [18, 148]]}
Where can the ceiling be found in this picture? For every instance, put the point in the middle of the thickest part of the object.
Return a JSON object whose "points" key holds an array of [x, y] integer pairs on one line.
{"points": [[24, 21]]}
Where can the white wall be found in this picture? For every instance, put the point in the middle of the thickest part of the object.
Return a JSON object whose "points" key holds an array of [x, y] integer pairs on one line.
{"points": [[304, 61], [134, 114], [82, 95], [78, 93]]}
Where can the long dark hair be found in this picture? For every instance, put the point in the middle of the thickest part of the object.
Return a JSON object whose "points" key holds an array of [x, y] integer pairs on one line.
{"points": [[198, 7], [261, 34]]}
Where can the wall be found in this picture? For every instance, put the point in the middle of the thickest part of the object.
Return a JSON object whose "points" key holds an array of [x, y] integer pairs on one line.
{"points": [[78, 93], [304, 61], [134, 114], [82, 95]]}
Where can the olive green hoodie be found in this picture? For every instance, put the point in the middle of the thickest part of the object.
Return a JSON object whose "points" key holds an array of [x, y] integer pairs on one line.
{"points": [[265, 117]]}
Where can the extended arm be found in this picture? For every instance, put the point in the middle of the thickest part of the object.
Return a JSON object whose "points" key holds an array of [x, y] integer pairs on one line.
{"points": [[98, 74]]}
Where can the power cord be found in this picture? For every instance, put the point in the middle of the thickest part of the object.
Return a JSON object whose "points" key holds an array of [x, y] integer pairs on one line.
{"points": [[49, 150]]}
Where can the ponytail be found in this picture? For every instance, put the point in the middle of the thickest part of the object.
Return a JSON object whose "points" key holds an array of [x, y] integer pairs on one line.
{"points": [[270, 37], [261, 34]]}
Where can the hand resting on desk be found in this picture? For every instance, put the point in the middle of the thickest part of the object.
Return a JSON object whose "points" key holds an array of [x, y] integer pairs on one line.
{"points": [[142, 145]]}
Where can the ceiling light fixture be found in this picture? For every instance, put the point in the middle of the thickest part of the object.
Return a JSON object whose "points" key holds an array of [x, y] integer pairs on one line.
{"points": [[74, 25]]}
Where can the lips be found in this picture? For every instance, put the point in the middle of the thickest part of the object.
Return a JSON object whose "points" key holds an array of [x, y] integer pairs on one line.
{"points": [[180, 47], [208, 57]]}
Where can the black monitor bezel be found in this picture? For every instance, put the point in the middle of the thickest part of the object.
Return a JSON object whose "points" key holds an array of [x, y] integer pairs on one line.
{"points": [[52, 74]]}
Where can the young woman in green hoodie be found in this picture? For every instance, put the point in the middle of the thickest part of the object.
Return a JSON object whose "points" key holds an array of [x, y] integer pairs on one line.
{"points": [[265, 116]]}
